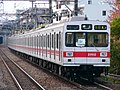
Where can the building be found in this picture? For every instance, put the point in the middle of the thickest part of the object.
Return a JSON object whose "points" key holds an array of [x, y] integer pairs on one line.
{"points": [[93, 9], [32, 17]]}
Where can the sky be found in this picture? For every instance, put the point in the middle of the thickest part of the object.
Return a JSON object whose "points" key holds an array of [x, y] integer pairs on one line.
{"points": [[12, 6]]}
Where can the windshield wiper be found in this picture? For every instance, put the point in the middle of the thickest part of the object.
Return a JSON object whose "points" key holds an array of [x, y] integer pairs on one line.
{"points": [[94, 46]]}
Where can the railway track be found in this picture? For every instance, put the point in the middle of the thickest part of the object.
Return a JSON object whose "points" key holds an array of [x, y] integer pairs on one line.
{"points": [[21, 78], [94, 84], [50, 82], [103, 86], [46, 79], [114, 76]]}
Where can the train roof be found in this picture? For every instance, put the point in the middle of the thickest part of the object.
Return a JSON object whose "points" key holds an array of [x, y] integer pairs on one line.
{"points": [[71, 20]]}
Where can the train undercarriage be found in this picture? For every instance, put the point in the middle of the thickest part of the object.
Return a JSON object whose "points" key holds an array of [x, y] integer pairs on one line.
{"points": [[71, 73]]}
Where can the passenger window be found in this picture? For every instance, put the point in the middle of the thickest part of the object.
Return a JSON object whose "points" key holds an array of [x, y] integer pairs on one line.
{"points": [[34, 41], [39, 41], [54, 44], [52, 40], [46, 44], [48, 41], [57, 41], [50, 45], [44, 41], [59, 45]]}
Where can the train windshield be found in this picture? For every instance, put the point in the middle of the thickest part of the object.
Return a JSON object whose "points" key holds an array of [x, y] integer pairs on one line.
{"points": [[92, 39], [97, 39], [69, 39]]}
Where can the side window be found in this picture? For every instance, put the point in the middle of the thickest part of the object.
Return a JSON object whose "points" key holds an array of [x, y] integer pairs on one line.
{"points": [[48, 40], [28, 41], [50, 45], [32, 41], [37, 41], [57, 40], [52, 40], [54, 44], [40, 41], [59, 45], [25, 41], [44, 41]]}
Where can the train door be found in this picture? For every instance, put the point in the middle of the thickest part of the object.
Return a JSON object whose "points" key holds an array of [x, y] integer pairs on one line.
{"points": [[80, 48]]}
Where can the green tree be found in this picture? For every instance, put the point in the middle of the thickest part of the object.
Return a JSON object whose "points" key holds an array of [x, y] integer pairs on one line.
{"points": [[115, 58], [115, 46], [115, 29]]}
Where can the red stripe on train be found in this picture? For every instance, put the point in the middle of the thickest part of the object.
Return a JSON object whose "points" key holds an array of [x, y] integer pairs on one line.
{"points": [[86, 54]]}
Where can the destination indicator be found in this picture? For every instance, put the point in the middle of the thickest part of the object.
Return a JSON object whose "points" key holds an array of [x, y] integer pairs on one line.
{"points": [[100, 27]]}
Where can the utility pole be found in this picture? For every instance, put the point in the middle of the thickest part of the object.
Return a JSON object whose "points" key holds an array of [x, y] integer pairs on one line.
{"points": [[32, 2], [36, 17], [76, 7], [33, 11], [50, 10]]}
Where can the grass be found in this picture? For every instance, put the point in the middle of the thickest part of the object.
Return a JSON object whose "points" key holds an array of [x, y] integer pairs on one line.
{"points": [[110, 79]]}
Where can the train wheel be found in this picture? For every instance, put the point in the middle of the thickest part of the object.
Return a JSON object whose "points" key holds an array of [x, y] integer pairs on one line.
{"points": [[63, 70], [44, 64], [72, 74], [90, 77]]}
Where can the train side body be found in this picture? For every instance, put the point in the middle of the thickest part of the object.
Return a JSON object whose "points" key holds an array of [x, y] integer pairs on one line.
{"points": [[72, 43]]}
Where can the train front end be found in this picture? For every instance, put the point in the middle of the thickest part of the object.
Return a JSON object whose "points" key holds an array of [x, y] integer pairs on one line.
{"points": [[87, 46]]}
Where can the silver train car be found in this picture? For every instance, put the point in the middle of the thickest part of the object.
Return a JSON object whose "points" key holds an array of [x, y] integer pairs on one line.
{"points": [[72, 48]]}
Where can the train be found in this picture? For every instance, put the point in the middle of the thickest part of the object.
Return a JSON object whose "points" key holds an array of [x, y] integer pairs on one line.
{"points": [[71, 48]]}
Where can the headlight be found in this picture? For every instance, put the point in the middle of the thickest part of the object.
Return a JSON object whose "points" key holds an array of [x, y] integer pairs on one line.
{"points": [[103, 54], [69, 53]]}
